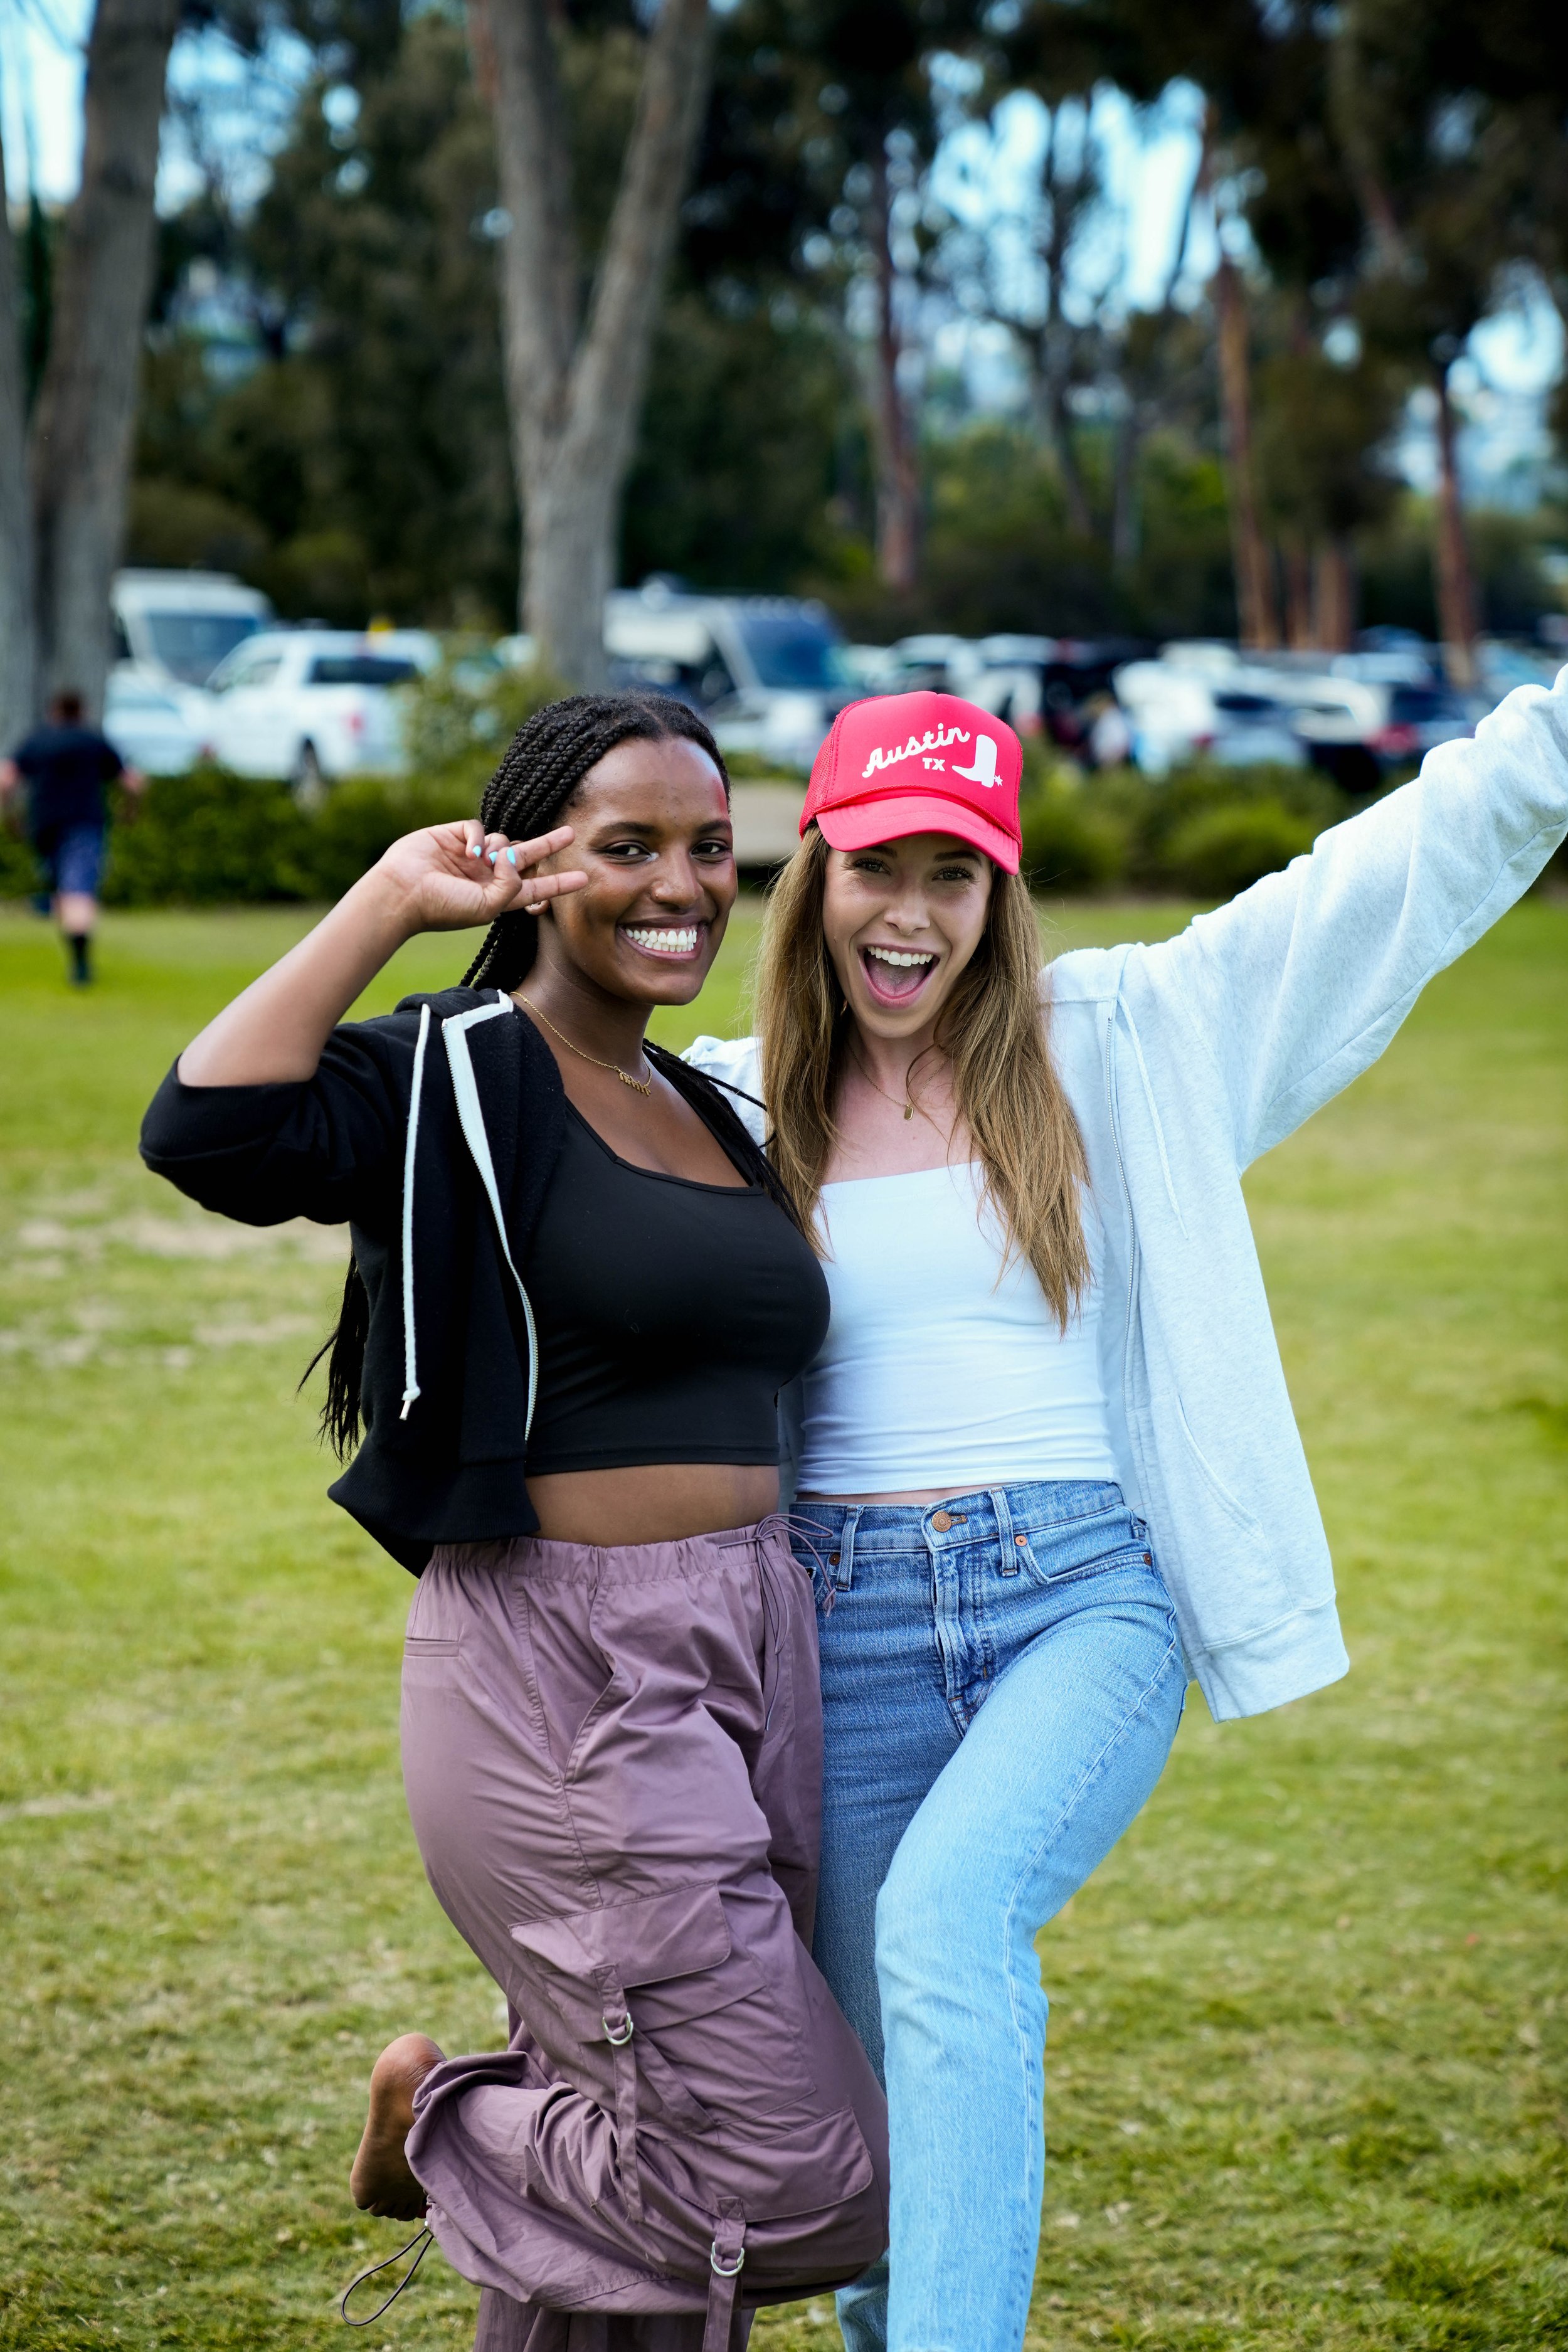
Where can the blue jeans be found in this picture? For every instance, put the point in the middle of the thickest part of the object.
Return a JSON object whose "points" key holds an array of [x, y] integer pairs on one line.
{"points": [[1000, 1695], [74, 860]]}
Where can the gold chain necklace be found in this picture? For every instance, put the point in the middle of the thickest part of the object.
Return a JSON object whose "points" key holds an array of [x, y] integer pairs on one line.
{"points": [[638, 1086], [907, 1106]]}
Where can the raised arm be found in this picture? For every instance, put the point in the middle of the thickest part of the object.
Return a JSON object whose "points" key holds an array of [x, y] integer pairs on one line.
{"points": [[449, 878], [276, 1110], [1301, 982]]}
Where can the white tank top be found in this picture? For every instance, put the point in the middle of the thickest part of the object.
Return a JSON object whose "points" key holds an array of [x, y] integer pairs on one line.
{"points": [[938, 1369]]}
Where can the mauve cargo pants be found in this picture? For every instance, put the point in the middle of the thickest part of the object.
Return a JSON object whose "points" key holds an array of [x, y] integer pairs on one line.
{"points": [[614, 1763]]}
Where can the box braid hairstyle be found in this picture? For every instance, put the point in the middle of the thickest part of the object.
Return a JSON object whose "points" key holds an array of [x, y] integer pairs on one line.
{"points": [[531, 792]]}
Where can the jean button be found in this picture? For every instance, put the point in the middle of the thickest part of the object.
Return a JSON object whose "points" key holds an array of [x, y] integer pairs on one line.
{"points": [[941, 1521]]}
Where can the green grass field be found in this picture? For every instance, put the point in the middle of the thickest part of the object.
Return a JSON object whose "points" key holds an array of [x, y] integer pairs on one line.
{"points": [[1306, 2074]]}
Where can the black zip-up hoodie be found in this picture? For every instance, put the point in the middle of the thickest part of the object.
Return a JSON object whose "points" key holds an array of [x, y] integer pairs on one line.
{"points": [[432, 1132]]}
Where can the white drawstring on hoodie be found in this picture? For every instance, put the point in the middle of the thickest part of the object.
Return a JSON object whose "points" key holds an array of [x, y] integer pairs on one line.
{"points": [[410, 1362], [471, 1117]]}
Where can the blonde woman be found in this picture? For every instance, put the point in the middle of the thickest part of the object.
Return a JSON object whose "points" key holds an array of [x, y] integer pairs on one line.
{"points": [[1045, 1459]]}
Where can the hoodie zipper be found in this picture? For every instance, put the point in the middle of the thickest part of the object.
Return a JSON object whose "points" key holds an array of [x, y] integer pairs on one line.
{"points": [[1134, 1253]]}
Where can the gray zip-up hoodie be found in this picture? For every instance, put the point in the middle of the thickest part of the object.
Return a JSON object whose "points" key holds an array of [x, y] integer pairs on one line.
{"points": [[1184, 1063]]}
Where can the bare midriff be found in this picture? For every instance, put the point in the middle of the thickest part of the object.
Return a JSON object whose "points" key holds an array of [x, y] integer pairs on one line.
{"points": [[914, 1495], [658, 1502]]}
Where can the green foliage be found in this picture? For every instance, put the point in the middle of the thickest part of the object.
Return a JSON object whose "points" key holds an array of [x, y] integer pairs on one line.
{"points": [[458, 719], [1070, 843], [368, 451], [1513, 587], [1206, 830], [210, 838], [758, 768], [20, 873], [182, 525], [364, 464], [733, 483], [1000, 555], [1320, 430], [1221, 850]]}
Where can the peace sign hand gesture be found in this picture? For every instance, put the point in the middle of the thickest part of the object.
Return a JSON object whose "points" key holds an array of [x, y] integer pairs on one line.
{"points": [[445, 878], [453, 876]]}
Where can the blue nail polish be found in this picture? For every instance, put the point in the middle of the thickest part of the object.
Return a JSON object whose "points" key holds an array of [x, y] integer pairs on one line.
{"points": [[475, 849], [512, 855], [493, 856]]}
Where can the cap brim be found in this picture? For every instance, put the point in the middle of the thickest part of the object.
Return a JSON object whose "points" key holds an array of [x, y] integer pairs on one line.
{"points": [[865, 823]]}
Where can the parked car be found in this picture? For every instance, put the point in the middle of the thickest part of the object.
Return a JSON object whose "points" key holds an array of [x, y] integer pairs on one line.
{"points": [[1357, 730], [1504, 664], [176, 626], [1057, 687], [1175, 714], [871, 669], [312, 705], [767, 672], [149, 726], [935, 661]]}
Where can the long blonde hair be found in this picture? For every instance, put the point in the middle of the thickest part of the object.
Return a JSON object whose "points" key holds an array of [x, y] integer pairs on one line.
{"points": [[994, 1034]]}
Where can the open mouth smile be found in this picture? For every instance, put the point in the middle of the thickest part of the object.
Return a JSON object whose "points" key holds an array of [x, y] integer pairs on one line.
{"points": [[670, 942], [896, 975]]}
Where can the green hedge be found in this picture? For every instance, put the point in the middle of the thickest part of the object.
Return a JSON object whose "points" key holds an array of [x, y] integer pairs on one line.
{"points": [[1206, 832], [212, 838]]}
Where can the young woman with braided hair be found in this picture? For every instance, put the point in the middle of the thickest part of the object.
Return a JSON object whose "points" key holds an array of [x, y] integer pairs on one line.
{"points": [[576, 1288]]}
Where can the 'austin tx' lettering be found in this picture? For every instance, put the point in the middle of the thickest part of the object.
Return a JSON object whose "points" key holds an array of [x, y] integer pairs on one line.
{"points": [[935, 739]]}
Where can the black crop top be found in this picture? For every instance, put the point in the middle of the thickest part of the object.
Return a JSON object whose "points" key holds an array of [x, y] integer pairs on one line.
{"points": [[669, 1314]]}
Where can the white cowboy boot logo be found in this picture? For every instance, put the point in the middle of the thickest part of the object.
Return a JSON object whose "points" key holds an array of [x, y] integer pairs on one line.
{"points": [[985, 769]]}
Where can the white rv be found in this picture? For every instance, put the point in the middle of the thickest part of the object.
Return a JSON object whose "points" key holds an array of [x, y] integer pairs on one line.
{"points": [[176, 626]]}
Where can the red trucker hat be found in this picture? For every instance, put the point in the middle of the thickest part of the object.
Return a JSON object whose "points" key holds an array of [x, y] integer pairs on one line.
{"points": [[918, 763]]}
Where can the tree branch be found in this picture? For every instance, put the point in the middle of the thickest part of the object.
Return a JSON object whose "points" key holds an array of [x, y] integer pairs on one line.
{"points": [[515, 44], [612, 364]]}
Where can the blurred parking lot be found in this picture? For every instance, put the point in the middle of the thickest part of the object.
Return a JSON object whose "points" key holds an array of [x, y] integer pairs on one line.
{"points": [[311, 706]]}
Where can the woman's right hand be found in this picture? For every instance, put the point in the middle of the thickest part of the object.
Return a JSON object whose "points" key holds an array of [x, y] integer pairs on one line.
{"points": [[446, 878], [451, 877]]}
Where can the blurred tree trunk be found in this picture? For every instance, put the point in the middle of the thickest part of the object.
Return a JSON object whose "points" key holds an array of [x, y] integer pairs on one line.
{"points": [[1254, 586], [1333, 595], [1455, 585], [17, 679], [1124, 515], [85, 411], [898, 475], [1070, 193], [1300, 620], [574, 385]]}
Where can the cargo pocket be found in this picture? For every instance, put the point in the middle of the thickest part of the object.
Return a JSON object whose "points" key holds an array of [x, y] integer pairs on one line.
{"points": [[708, 2036]]}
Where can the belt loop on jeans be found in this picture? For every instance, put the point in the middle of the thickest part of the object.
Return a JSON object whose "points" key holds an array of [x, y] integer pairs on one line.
{"points": [[1004, 1543], [725, 2261], [844, 1572], [618, 2033]]}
